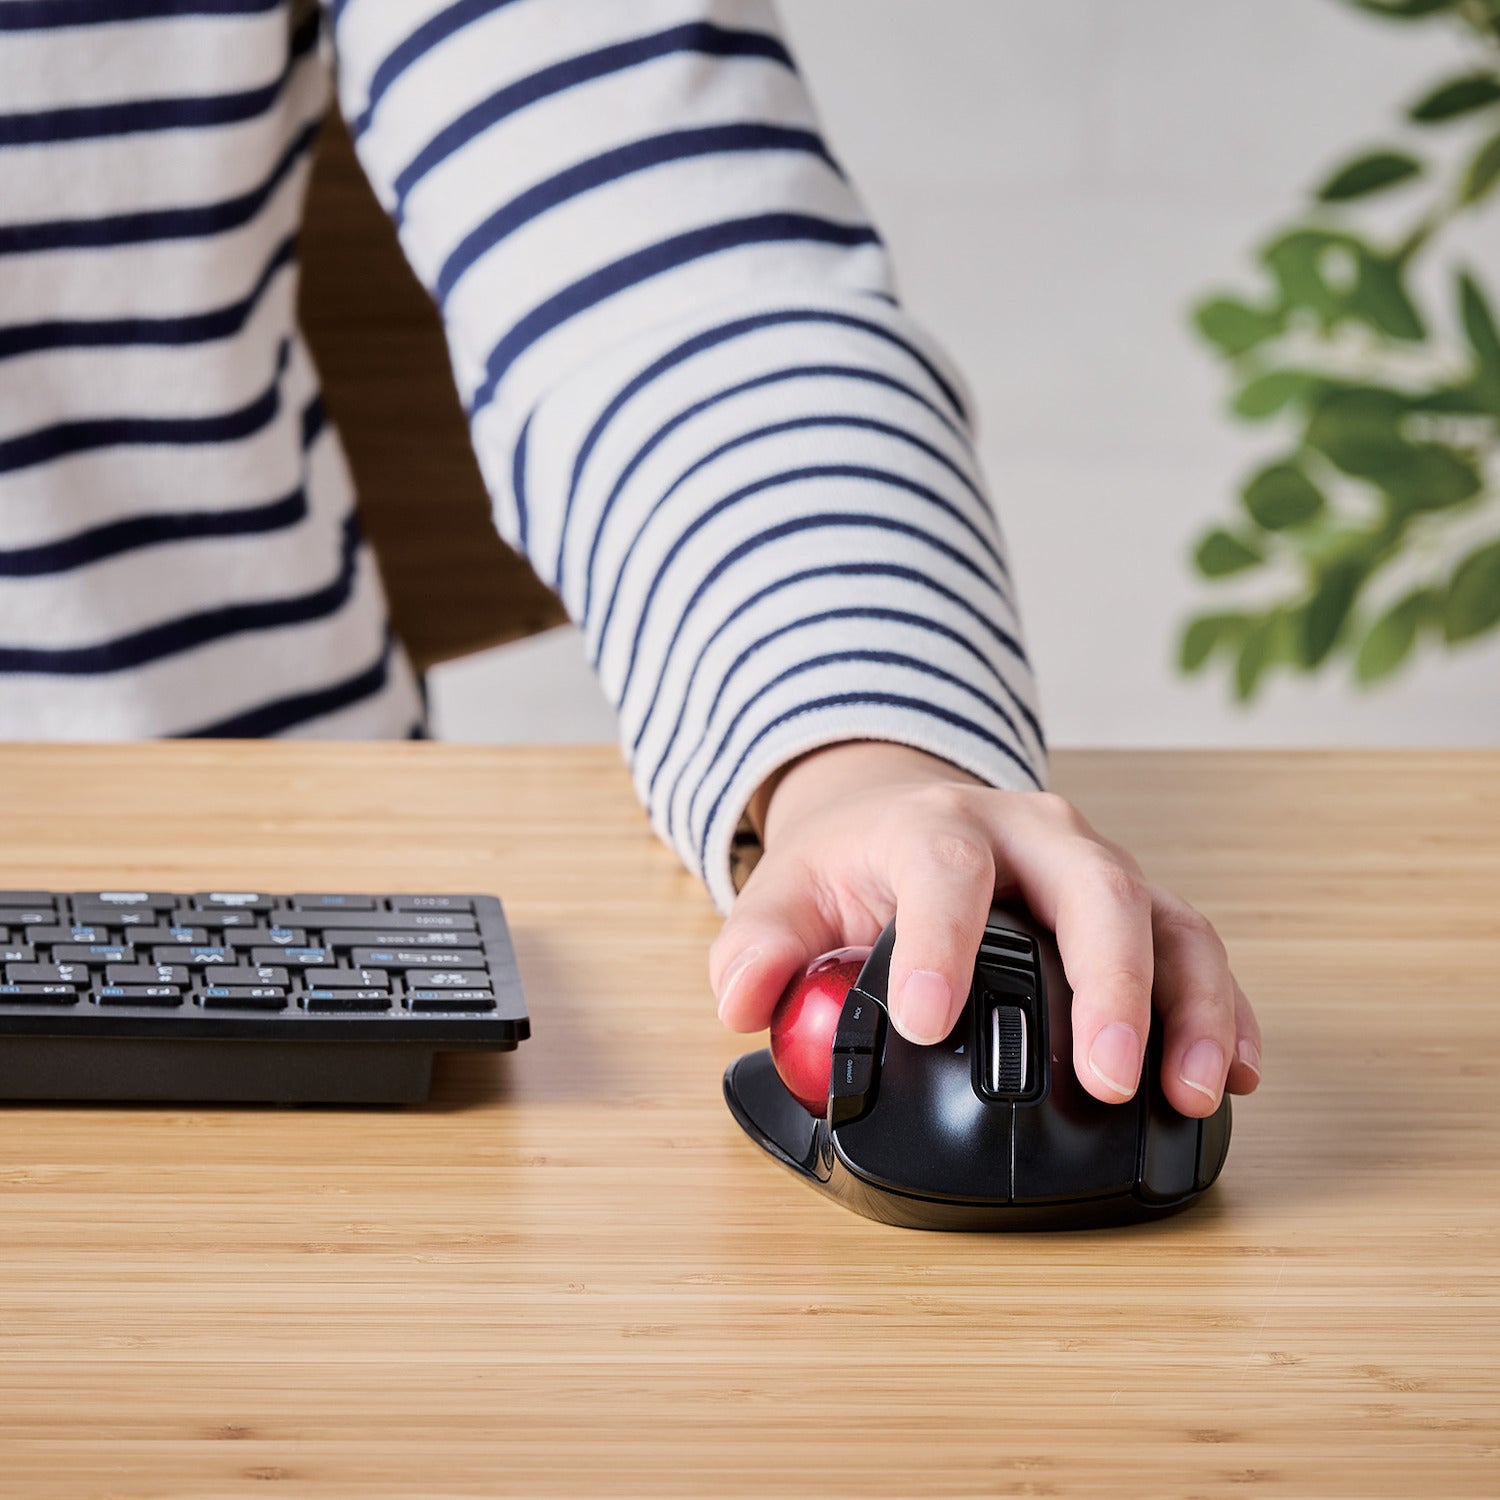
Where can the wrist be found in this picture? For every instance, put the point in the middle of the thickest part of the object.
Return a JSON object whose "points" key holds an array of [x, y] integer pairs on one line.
{"points": [[820, 776]]}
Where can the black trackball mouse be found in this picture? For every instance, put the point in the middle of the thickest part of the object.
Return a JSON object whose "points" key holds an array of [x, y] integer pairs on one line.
{"points": [[991, 1128]]}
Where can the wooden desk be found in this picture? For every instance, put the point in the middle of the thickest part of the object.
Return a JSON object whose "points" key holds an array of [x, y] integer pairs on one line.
{"points": [[571, 1274]]}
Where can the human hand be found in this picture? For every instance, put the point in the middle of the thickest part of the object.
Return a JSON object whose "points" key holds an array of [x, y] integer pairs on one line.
{"points": [[857, 830]]}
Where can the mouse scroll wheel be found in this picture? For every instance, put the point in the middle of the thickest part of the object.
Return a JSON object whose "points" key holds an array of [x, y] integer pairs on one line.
{"points": [[1008, 1050]]}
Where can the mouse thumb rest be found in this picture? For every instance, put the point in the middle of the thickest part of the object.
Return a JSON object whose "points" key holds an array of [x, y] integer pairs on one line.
{"points": [[1028, 1147]]}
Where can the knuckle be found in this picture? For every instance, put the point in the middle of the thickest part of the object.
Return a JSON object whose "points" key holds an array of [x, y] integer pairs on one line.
{"points": [[1176, 916], [1057, 809], [960, 854], [1116, 881], [944, 801]]}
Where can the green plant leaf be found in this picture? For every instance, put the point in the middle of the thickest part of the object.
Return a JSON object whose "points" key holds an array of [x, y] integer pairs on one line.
{"points": [[1222, 552], [1358, 429], [1205, 634], [1392, 636], [1235, 326], [1372, 173], [1304, 261], [1406, 10], [1273, 392], [1483, 173], [1472, 605], [1427, 476], [1281, 495], [1479, 325], [1381, 299], [1256, 652], [1459, 96], [1325, 613]]}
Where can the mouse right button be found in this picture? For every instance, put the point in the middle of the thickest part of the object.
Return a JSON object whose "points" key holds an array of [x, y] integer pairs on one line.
{"points": [[1069, 1145]]}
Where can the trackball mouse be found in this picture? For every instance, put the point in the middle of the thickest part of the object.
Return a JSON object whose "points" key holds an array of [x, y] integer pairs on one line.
{"points": [[989, 1129]]}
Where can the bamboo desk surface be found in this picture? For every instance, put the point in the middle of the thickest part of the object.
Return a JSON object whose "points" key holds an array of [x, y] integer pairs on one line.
{"points": [[571, 1274]]}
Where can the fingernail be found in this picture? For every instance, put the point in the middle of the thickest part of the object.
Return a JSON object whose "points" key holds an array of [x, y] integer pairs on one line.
{"points": [[1115, 1056], [732, 976], [1248, 1055], [1203, 1069], [923, 1009]]}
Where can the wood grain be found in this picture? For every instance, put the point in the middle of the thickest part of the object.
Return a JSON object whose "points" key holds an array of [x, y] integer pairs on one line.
{"points": [[571, 1275]]}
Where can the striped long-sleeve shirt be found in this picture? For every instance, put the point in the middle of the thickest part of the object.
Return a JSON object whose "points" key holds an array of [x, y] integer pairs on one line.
{"points": [[697, 404]]}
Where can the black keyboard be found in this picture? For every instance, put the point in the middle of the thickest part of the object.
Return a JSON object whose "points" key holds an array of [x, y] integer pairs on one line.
{"points": [[247, 996]]}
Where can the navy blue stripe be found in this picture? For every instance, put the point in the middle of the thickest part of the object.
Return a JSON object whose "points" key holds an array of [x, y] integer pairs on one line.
{"points": [[282, 714], [126, 535], [775, 481], [758, 382], [610, 166], [63, 439], [136, 116], [834, 658], [726, 333], [436, 29], [860, 700], [861, 612], [154, 528], [51, 15], [850, 471], [155, 224], [698, 37], [656, 260], [189, 631], [824, 520], [108, 333], [842, 571]]}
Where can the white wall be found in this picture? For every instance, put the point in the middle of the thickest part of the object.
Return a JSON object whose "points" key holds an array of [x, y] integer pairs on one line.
{"points": [[1059, 181]]}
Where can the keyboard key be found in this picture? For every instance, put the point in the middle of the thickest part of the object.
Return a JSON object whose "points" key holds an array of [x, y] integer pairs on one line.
{"points": [[266, 997], [431, 903], [27, 898], [34, 994], [41, 934], [450, 1000], [146, 937], [454, 979], [415, 958], [92, 953], [367, 1000], [333, 979], [322, 901], [100, 914], [346, 937], [47, 973], [156, 995], [26, 916], [297, 958], [188, 916], [388, 921], [17, 953], [159, 900], [232, 901], [145, 974], [244, 976], [267, 937], [195, 955]]}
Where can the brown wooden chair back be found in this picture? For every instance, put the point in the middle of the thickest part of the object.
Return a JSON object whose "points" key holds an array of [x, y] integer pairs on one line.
{"points": [[454, 586]]}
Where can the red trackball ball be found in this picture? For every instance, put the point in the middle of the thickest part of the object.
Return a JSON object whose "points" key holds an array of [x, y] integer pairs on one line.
{"points": [[804, 1022]]}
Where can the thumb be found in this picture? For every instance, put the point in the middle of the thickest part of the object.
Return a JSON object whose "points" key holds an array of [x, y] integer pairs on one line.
{"points": [[773, 930]]}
